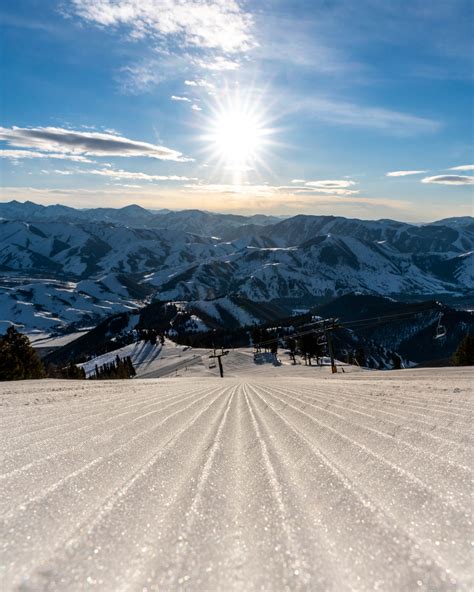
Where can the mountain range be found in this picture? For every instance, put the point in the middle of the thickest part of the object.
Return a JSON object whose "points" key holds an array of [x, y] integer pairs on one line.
{"points": [[61, 265]]}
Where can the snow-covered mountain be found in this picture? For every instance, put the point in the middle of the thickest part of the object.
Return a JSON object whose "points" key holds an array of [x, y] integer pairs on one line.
{"points": [[47, 305], [200, 256], [194, 221]]}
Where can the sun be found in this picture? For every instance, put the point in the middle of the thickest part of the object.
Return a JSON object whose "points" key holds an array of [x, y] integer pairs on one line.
{"points": [[238, 137], [237, 134]]}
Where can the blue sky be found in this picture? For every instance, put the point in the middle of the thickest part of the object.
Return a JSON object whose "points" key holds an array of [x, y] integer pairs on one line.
{"points": [[272, 106]]}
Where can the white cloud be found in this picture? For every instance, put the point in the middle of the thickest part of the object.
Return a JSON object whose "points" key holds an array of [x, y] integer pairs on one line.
{"points": [[184, 99], [196, 107], [298, 181], [330, 184], [302, 189], [121, 174], [266, 190], [404, 173], [220, 24], [200, 82], [449, 180], [65, 141], [219, 64], [20, 154], [463, 167]]}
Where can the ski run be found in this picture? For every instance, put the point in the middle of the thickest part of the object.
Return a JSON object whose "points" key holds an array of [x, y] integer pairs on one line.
{"points": [[279, 480]]}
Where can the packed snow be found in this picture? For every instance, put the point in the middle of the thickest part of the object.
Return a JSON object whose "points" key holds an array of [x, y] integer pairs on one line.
{"points": [[287, 478]]}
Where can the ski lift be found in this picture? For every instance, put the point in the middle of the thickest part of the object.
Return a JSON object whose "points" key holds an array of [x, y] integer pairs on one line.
{"points": [[440, 329], [212, 364]]}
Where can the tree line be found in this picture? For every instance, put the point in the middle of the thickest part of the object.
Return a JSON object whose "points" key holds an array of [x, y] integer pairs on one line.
{"points": [[19, 361], [117, 369]]}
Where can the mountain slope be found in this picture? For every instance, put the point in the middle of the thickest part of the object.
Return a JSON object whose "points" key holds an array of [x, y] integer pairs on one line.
{"points": [[299, 261]]}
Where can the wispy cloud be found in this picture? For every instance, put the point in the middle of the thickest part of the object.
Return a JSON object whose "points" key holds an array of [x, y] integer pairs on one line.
{"points": [[404, 173], [121, 174], [463, 167], [200, 82], [66, 141], [267, 190], [221, 24], [139, 78], [177, 98], [335, 187], [351, 114], [196, 107], [219, 64], [21, 154], [237, 189], [305, 189], [449, 180], [330, 184]]}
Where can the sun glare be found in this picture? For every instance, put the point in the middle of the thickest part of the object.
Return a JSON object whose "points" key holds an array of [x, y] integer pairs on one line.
{"points": [[237, 135]]}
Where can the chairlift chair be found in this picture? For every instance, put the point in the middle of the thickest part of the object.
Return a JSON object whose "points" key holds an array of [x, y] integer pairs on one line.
{"points": [[440, 329]]}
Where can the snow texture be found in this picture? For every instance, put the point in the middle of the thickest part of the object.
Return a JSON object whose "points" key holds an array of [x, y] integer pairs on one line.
{"points": [[290, 479]]}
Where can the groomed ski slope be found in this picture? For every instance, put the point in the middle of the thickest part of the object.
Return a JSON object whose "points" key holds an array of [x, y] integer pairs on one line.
{"points": [[325, 483]]}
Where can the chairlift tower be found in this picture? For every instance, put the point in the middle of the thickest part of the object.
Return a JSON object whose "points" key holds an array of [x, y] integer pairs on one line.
{"points": [[219, 360]]}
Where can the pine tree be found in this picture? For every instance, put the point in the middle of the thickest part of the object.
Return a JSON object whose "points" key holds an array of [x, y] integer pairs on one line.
{"points": [[360, 357], [256, 338], [117, 369], [464, 355], [397, 361], [18, 360], [291, 345]]}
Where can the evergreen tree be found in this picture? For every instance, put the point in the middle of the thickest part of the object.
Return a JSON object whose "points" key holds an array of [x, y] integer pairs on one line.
{"points": [[360, 357], [256, 338], [304, 346], [397, 361], [291, 345], [71, 371], [18, 360], [309, 347], [464, 355], [118, 369]]}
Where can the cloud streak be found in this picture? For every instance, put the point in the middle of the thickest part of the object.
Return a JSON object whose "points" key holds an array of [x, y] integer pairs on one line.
{"points": [[330, 184], [404, 173], [449, 180], [378, 118], [335, 187], [121, 174], [463, 167], [65, 141], [183, 99], [21, 154]]}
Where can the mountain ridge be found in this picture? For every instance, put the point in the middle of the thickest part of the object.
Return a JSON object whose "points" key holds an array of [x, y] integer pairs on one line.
{"points": [[201, 256]]}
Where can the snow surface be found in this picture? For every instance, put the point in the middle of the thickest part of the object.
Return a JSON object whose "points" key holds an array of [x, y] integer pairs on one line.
{"points": [[314, 482]]}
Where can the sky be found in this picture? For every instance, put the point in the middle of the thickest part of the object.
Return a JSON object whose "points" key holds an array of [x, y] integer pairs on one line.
{"points": [[353, 108]]}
